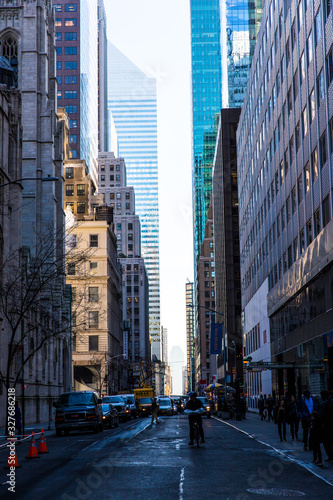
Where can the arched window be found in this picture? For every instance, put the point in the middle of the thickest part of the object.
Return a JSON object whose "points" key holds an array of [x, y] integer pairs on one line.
{"points": [[10, 52]]}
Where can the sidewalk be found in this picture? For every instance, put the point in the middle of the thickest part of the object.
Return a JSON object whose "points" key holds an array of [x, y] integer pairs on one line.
{"points": [[267, 433]]}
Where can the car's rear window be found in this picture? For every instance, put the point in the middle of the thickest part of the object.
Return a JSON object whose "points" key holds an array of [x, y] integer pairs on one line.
{"points": [[76, 399], [145, 400], [113, 399], [164, 402]]}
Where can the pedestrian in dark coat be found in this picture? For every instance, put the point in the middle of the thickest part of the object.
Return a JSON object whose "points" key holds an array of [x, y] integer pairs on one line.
{"points": [[293, 417], [326, 417], [243, 406], [280, 419], [261, 406], [308, 404], [270, 407], [316, 438]]}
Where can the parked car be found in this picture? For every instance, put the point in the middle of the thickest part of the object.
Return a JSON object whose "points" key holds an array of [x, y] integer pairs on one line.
{"points": [[130, 400], [119, 404], [110, 415], [206, 405], [165, 405], [81, 410]]}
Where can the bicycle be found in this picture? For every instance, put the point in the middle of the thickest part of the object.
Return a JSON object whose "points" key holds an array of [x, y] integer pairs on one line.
{"points": [[196, 430]]}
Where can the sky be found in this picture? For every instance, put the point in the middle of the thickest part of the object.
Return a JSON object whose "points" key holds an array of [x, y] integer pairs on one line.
{"points": [[155, 36]]}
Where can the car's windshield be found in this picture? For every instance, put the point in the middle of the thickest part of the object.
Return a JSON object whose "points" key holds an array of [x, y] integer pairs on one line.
{"points": [[164, 402], [106, 407], [76, 399], [113, 399], [145, 400]]}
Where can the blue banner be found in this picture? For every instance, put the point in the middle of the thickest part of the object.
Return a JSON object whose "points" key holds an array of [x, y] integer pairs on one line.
{"points": [[216, 333]]}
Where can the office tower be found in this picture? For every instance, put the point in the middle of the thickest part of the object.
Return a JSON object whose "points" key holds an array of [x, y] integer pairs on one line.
{"points": [[284, 151], [103, 113], [132, 102], [190, 318], [226, 242], [223, 35], [41, 204], [76, 32], [164, 344], [205, 362], [120, 197]]}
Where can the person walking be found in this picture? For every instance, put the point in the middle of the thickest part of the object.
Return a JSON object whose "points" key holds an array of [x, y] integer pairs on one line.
{"points": [[270, 407], [243, 406], [18, 418], [261, 405], [154, 408], [316, 438], [307, 406], [293, 417], [280, 419], [326, 417]]}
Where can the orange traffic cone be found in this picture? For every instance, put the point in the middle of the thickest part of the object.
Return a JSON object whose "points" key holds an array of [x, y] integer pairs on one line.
{"points": [[42, 444], [12, 458], [33, 449]]}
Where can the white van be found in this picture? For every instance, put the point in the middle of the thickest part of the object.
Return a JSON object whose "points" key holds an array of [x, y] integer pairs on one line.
{"points": [[165, 405]]}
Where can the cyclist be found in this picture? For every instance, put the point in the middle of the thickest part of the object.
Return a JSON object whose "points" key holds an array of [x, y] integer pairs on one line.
{"points": [[193, 409]]}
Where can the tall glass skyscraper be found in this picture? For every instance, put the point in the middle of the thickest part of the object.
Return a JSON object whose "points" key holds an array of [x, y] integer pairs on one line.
{"points": [[77, 74], [223, 35], [132, 103]]}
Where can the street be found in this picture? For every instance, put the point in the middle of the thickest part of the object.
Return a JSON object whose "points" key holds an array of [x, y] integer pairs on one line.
{"points": [[137, 461]]}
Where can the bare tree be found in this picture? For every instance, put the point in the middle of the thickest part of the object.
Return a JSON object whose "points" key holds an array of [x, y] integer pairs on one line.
{"points": [[35, 302]]}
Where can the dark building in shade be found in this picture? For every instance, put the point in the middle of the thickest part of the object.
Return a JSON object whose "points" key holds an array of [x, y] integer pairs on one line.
{"points": [[226, 240]]}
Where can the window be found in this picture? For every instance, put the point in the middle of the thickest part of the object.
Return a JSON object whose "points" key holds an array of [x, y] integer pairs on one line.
{"points": [[70, 94], [59, 66], [281, 172], [71, 109], [93, 294], [329, 63], [81, 207], [58, 37], [93, 238], [310, 47], [93, 341], [70, 79], [93, 268], [69, 189], [318, 26], [296, 83], [290, 101], [323, 150], [127, 196], [57, 7], [70, 64], [128, 206], [70, 36], [69, 173], [326, 211], [71, 269], [286, 162], [71, 21], [58, 51], [314, 158], [130, 226], [298, 136], [291, 150], [302, 67], [320, 87], [70, 51], [302, 241], [72, 123], [309, 231], [300, 189], [317, 222], [293, 199], [70, 7], [72, 139], [300, 15], [73, 153], [307, 177], [304, 122], [81, 189], [312, 106]]}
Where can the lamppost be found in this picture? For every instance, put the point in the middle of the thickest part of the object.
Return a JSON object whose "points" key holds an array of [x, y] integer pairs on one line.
{"points": [[49, 178], [224, 346]]}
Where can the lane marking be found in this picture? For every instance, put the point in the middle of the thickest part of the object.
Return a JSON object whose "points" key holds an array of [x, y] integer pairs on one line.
{"points": [[181, 483], [305, 465]]}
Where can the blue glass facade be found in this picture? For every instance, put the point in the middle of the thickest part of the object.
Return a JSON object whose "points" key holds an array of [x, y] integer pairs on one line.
{"points": [[223, 36], [132, 102]]}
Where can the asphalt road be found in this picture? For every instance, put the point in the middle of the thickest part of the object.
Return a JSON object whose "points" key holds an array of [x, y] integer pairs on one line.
{"points": [[134, 462]]}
